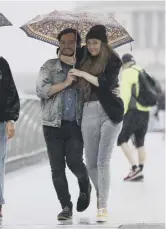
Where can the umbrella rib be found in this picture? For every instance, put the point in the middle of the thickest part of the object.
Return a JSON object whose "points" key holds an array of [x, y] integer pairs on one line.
{"points": [[40, 38]]}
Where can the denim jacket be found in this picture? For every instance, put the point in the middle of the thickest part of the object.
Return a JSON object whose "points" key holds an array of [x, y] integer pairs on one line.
{"points": [[52, 106]]}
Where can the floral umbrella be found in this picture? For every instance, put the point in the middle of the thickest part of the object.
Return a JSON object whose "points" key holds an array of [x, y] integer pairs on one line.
{"points": [[4, 21], [47, 27]]}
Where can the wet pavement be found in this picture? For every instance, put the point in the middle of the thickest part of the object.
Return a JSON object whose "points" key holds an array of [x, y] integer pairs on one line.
{"points": [[31, 201]]}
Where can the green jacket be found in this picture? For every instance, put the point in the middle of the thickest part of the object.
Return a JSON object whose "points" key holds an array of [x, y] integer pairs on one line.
{"points": [[129, 78]]}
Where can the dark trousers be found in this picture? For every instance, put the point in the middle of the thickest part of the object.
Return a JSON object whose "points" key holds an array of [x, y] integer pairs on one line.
{"points": [[65, 145], [135, 124]]}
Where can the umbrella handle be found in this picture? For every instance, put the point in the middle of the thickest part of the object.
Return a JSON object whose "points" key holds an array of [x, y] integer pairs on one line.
{"points": [[75, 49]]}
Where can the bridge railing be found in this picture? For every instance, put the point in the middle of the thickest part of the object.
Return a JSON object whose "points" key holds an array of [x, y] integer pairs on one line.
{"points": [[28, 143]]}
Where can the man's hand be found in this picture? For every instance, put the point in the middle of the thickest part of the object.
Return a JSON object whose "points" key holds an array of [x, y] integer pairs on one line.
{"points": [[10, 129], [56, 88], [70, 79]]}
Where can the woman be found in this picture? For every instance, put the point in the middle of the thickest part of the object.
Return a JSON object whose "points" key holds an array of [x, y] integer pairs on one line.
{"points": [[102, 113]]}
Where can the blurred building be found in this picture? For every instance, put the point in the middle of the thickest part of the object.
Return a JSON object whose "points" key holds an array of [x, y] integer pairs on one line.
{"points": [[145, 21]]}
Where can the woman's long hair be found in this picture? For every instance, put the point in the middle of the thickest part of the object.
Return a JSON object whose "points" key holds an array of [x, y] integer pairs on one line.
{"points": [[94, 66]]}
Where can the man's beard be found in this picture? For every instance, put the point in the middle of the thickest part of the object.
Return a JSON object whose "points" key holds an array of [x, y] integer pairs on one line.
{"points": [[65, 54]]}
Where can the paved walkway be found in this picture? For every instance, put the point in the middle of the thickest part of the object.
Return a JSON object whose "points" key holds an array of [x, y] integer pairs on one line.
{"points": [[31, 202]]}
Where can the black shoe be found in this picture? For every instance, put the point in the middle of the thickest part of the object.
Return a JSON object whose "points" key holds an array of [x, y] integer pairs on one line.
{"points": [[139, 178], [66, 214], [141, 167], [84, 199]]}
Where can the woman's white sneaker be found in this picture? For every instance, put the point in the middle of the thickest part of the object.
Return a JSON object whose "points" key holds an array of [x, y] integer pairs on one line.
{"points": [[102, 215]]}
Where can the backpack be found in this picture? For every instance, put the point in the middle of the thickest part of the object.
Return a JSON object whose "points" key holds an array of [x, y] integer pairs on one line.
{"points": [[161, 102], [149, 89]]}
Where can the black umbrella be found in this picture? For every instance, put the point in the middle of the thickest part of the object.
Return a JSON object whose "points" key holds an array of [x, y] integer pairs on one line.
{"points": [[4, 21]]}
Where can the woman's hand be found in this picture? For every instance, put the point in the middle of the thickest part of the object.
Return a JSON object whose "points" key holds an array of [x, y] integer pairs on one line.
{"points": [[76, 72], [88, 77], [116, 91]]}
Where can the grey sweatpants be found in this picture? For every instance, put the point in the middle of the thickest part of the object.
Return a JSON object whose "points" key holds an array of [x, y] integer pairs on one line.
{"points": [[99, 135]]}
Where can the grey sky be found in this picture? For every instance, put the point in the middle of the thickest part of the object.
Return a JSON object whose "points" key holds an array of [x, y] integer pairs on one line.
{"points": [[23, 53], [26, 54]]}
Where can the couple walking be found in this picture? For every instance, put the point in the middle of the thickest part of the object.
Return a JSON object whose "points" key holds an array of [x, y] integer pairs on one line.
{"points": [[81, 108]]}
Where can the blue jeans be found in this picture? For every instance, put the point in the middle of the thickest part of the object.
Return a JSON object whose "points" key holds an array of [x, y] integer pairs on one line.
{"points": [[3, 142]]}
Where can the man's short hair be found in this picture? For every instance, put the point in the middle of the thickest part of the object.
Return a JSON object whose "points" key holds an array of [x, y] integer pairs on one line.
{"points": [[127, 58], [70, 30]]}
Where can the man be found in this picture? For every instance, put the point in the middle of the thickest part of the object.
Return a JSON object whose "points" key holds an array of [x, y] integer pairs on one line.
{"points": [[136, 117], [62, 105], [9, 113]]}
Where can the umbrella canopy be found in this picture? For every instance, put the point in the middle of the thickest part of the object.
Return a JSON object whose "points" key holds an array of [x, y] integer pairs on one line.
{"points": [[47, 27], [4, 21]]}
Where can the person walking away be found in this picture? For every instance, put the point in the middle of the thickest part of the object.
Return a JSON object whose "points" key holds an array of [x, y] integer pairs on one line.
{"points": [[136, 117]]}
